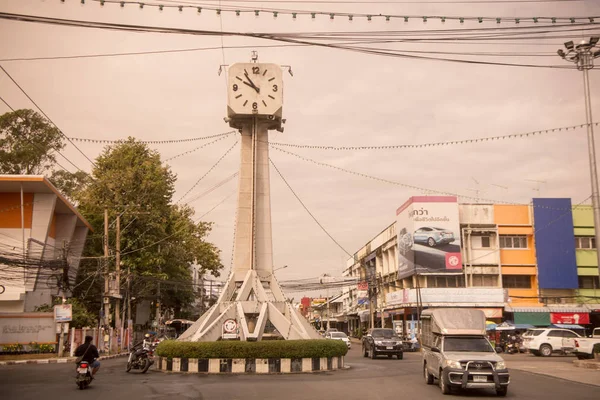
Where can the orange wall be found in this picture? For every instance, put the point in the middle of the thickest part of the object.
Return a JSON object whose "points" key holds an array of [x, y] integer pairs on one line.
{"points": [[519, 271], [517, 256], [532, 293], [52, 232], [10, 210], [511, 215]]}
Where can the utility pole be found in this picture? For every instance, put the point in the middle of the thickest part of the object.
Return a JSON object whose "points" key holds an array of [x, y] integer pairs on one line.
{"points": [[118, 283], [106, 271], [583, 56]]}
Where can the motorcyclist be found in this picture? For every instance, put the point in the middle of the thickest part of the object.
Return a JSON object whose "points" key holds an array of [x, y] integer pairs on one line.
{"points": [[89, 353]]}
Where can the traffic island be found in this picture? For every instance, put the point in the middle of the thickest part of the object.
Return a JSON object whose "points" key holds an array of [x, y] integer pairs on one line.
{"points": [[264, 357]]}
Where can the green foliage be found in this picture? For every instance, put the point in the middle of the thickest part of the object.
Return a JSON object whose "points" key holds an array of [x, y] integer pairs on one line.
{"points": [[28, 143], [13, 348], [69, 183], [82, 317], [159, 240], [261, 349], [46, 348]]}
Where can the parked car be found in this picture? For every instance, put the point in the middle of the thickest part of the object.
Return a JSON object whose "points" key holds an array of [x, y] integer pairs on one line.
{"points": [[584, 347], [433, 236], [334, 335], [545, 341], [382, 341]]}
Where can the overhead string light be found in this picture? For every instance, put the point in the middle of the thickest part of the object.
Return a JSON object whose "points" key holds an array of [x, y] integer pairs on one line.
{"points": [[238, 11], [107, 141], [435, 144], [413, 187]]}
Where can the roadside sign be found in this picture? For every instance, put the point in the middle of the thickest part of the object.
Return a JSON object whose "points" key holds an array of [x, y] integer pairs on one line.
{"points": [[63, 313], [230, 329]]}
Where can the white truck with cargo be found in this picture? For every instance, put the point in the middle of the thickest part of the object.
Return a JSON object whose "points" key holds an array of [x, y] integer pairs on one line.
{"points": [[458, 354]]}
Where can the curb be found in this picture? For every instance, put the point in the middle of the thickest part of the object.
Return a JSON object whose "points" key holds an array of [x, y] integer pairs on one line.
{"points": [[589, 364], [249, 365], [56, 360]]}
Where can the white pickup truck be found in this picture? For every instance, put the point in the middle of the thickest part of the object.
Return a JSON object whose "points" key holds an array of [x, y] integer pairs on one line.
{"points": [[584, 346]]}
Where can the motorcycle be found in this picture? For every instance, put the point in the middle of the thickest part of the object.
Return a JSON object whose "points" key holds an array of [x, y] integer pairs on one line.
{"points": [[141, 357], [511, 348], [84, 374]]}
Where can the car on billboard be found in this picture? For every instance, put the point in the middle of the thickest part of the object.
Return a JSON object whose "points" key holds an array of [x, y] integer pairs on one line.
{"points": [[432, 236]]}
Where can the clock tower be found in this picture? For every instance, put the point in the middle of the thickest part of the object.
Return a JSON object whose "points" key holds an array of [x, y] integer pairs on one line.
{"points": [[252, 296]]}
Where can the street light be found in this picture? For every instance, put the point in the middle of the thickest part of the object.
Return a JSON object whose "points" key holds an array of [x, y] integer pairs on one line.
{"points": [[583, 56]]}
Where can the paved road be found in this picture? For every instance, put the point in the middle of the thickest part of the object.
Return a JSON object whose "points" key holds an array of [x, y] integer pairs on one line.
{"points": [[367, 379]]}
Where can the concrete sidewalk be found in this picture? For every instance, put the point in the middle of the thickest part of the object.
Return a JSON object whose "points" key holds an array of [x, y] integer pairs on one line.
{"points": [[558, 369], [62, 360]]}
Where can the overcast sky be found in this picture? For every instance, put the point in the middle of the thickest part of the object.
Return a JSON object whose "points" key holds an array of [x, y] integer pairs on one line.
{"points": [[335, 98]]}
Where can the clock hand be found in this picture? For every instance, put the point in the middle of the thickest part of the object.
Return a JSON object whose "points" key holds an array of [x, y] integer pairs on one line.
{"points": [[251, 83], [252, 86]]}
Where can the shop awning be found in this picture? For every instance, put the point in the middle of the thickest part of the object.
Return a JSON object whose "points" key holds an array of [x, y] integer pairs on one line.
{"points": [[532, 318], [546, 309], [568, 326]]}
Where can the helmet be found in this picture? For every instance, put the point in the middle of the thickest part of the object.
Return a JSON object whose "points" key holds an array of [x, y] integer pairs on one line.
{"points": [[147, 335]]}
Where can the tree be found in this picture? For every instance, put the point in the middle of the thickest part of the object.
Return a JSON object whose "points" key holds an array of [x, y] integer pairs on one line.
{"points": [[27, 143], [159, 240], [69, 183], [82, 317]]}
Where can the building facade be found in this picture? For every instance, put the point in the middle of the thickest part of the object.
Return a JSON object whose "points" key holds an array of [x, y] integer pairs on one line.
{"points": [[530, 264], [42, 236]]}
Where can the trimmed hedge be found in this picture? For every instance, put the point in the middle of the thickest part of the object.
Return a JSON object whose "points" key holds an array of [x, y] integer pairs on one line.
{"points": [[262, 349]]}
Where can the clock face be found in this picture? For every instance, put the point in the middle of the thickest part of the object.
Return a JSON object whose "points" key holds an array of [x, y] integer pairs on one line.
{"points": [[255, 89]]}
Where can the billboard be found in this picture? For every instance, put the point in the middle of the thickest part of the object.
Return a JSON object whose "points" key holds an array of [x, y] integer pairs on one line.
{"points": [[428, 235]]}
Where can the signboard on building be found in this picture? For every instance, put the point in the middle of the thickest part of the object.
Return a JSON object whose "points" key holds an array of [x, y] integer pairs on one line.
{"points": [[570, 318], [25, 328], [63, 313], [362, 294], [428, 235], [318, 302], [447, 296]]}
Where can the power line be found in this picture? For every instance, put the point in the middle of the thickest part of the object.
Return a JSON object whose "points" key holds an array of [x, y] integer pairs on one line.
{"points": [[289, 38], [208, 172], [413, 187], [308, 211], [45, 115], [37, 145], [198, 49]]}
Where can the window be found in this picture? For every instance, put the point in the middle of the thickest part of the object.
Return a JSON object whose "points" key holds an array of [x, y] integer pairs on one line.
{"points": [[513, 241], [569, 334], [445, 281], [485, 241], [516, 281], [555, 334], [585, 242], [589, 282], [485, 280]]}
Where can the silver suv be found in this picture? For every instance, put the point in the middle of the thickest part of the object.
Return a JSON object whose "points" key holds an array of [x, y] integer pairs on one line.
{"points": [[545, 341]]}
